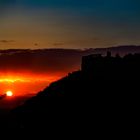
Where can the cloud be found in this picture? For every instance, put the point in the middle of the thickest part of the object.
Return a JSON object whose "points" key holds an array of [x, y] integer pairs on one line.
{"points": [[7, 41], [41, 60], [52, 61]]}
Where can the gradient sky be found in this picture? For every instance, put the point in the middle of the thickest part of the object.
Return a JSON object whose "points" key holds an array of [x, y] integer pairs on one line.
{"points": [[68, 23]]}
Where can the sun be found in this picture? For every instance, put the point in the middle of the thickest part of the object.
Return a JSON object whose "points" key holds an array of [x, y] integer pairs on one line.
{"points": [[9, 93]]}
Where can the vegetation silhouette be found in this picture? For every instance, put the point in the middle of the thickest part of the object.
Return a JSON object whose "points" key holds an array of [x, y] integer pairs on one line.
{"points": [[2, 96], [102, 94]]}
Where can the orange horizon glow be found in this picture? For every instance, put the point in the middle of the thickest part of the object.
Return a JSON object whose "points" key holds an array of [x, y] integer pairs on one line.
{"points": [[23, 83], [26, 77]]}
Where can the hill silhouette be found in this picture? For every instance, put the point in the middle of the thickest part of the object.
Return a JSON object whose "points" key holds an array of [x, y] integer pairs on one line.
{"points": [[104, 93]]}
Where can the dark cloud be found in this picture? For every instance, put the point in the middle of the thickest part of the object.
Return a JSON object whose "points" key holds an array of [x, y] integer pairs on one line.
{"points": [[44, 61], [7, 41], [52, 61]]}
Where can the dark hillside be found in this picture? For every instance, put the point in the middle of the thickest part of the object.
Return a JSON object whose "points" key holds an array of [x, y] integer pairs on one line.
{"points": [[104, 92]]}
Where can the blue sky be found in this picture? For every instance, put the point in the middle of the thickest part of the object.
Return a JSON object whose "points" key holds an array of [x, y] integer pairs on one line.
{"points": [[69, 23]]}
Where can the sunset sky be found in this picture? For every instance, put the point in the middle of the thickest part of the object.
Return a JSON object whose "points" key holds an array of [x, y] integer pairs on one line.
{"points": [[72, 25], [68, 23]]}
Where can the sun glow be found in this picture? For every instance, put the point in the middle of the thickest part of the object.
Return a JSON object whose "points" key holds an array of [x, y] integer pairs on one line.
{"points": [[9, 80], [17, 87], [23, 83], [9, 93], [22, 78]]}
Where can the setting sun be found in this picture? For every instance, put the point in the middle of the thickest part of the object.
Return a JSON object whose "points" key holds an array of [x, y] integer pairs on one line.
{"points": [[9, 93], [22, 83]]}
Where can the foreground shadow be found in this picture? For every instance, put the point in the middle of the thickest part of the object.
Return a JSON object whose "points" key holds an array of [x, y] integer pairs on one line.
{"points": [[103, 93]]}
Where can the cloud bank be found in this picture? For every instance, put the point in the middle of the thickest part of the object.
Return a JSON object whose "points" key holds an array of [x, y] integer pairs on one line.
{"points": [[52, 61]]}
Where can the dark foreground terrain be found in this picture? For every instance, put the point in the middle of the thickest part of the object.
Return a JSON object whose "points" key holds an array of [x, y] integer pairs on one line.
{"points": [[104, 95]]}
